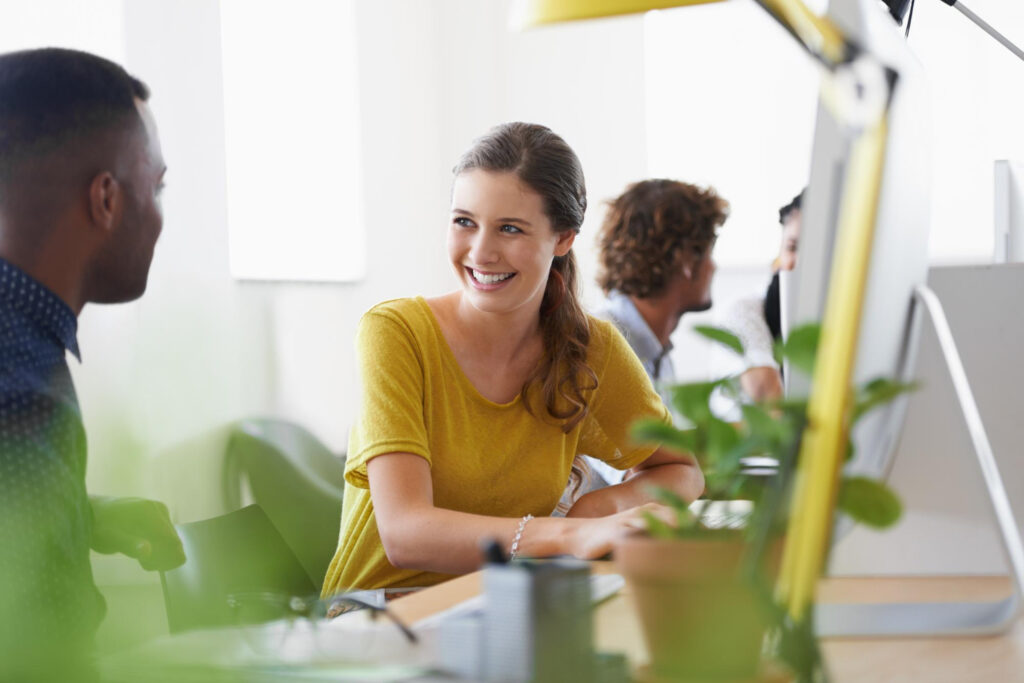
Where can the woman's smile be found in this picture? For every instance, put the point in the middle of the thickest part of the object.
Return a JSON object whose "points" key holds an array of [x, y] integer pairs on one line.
{"points": [[487, 280]]}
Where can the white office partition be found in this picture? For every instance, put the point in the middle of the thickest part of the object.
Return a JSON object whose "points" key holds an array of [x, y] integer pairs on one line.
{"points": [[1009, 212], [294, 172]]}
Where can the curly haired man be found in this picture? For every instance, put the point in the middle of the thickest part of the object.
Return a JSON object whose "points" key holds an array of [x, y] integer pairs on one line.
{"points": [[656, 265]]}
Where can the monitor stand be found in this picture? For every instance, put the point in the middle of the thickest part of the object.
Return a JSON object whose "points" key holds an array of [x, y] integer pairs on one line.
{"points": [[943, 618]]}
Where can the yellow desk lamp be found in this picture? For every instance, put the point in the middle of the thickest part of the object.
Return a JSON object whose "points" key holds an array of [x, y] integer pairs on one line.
{"points": [[824, 442]]}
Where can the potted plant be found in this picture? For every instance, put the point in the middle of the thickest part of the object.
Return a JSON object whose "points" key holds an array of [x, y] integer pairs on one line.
{"points": [[703, 586]]}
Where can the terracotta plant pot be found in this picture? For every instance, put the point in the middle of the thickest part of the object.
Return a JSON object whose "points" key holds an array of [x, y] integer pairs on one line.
{"points": [[699, 620]]}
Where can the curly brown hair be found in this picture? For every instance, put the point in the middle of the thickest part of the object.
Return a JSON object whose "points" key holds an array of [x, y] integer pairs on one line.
{"points": [[652, 231]]}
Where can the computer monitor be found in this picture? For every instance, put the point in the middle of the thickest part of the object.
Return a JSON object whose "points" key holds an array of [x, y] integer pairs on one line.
{"points": [[899, 258], [889, 325]]}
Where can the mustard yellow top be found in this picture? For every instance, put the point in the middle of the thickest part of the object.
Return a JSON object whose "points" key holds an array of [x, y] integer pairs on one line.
{"points": [[485, 458]]}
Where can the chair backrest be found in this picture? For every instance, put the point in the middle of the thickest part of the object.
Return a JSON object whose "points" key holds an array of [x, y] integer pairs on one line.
{"points": [[237, 553], [297, 481]]}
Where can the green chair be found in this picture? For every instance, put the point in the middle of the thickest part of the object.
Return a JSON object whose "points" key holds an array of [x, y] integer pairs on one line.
{"points": [[228, 558], [297, 481]]}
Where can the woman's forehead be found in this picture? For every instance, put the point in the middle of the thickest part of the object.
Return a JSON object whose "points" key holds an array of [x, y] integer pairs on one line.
{"points": [[495, 191]]}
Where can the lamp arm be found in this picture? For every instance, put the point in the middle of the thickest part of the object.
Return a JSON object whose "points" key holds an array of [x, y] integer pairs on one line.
{"points": [[986, 27], [822, 39]]}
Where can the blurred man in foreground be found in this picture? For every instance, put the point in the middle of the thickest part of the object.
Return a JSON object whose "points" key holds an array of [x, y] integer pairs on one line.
{"points": [[81, 173]]}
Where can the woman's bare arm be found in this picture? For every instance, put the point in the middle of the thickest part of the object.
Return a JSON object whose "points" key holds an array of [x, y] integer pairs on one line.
{"points": [[418, 535], [664, 469]]}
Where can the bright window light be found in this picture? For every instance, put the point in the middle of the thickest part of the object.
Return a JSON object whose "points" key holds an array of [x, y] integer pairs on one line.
{"points": [[96, 26], [292, 140], [731, 102]]}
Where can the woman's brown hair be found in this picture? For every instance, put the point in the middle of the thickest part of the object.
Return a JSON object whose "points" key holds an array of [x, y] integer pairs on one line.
{"points": [[547, 165]]}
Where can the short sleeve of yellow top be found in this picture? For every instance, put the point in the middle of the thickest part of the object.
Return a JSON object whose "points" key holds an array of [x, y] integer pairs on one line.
{"points": [[485, 458]]}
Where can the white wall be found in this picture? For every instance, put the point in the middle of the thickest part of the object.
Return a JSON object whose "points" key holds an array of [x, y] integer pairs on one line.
{"points": [[977, 109], [195, 352]]}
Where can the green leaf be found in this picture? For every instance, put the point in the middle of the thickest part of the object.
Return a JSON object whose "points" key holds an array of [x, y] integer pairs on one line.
{"points": [[779, 351], [793, 407], [801, 347], [653, 431], [879, 392], [721, 336], [657, 528], [869, 501], [671, 499], [722, 438], [762, 425], [691, 400]]}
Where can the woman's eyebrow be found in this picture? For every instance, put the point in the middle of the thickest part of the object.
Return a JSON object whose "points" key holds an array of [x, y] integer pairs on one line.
{"points": [[515, 220]]}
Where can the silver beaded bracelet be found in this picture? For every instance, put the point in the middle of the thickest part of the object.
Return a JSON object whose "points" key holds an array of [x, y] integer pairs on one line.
{"points": [[518, 537]]}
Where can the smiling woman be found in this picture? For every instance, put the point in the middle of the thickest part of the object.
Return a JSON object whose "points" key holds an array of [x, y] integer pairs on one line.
{"points": [[475, 404]]}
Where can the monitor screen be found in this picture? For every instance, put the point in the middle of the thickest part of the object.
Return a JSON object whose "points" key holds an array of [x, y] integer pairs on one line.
{"points": [[899, 257]]}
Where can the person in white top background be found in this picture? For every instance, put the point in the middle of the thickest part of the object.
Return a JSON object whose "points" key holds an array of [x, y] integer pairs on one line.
{"points": [[756, 321]]}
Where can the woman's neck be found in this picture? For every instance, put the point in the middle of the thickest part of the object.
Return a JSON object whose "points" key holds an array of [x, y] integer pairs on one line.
{"points": [[502, 336]]}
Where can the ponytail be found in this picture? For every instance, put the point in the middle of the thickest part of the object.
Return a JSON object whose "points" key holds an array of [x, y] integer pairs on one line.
{"points": [[563, 375]]}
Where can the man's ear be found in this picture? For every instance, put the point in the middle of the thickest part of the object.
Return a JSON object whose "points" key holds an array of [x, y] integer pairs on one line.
{"points": [[106, 200], [564, 243]]}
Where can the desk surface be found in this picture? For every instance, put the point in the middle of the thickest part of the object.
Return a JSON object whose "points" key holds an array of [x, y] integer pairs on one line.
{"points": [[998, 658]]}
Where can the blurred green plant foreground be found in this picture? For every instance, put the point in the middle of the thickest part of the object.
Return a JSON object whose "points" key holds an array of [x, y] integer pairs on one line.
{"points": [[768, 429]]}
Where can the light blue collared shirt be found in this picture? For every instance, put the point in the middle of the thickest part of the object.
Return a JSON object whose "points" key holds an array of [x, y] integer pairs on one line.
{"points": [[620, 310]]}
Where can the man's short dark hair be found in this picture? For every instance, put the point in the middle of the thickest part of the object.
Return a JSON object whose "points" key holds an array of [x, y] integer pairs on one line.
{"points": [[794, 205], [51, 98], [652, 230]]}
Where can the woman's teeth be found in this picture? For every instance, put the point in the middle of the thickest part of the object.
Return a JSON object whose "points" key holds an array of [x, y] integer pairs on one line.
{"points": [[488, 278]]}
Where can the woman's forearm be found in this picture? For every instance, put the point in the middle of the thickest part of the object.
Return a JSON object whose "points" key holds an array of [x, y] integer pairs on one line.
{"points": [[684, 479], [439, 540]]}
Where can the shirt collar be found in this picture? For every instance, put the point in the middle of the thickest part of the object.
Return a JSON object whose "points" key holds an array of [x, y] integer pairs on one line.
{"points": [[623, 311], [21, 292]]}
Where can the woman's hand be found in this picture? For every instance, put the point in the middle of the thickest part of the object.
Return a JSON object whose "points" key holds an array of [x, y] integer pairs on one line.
{"points": [[594, 538], [677, 473]]}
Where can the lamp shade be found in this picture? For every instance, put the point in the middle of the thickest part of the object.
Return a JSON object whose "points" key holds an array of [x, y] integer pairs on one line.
{"points": [[538, 12]]}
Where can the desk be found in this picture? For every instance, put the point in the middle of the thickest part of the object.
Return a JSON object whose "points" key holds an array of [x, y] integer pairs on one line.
{"points": [[226, 654], [850, 660]]}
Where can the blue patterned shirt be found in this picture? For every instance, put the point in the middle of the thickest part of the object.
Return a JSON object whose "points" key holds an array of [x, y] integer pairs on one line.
{"points": [[49, 604]]}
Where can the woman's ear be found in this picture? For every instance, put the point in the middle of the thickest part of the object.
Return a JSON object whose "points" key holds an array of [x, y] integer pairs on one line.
{"points": [[564, 243], [105, 201]]}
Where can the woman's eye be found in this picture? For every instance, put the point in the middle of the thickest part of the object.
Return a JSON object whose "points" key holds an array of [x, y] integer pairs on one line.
{"points": [[462, 221], [508, 227]]}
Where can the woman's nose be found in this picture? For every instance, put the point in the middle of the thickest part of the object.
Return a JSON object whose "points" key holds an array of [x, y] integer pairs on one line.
{"points": [[483, 249]]}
